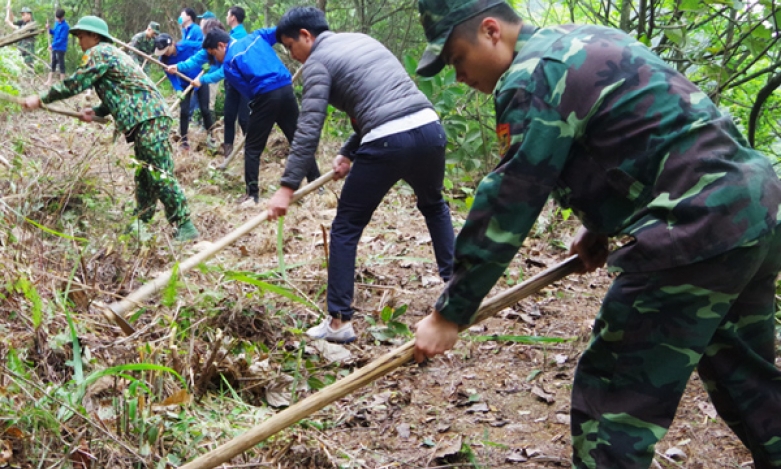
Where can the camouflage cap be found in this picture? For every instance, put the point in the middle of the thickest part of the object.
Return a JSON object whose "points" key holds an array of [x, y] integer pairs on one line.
{"points": [[26, 10], [154, 26], [438, 18]]}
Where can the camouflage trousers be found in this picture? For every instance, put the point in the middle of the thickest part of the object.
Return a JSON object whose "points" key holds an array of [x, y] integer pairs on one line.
{"points": [[155, 174], [654, 329], [27, 48]]}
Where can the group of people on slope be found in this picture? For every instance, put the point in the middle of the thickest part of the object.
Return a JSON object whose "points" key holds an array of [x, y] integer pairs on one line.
{"points": [[585, 114]]}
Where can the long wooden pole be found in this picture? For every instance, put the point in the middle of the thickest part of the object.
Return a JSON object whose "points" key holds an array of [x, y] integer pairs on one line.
{"points": [[376, 369], [56, 110], [236, 150], [151, 59], [116, 311], [184, 93]]}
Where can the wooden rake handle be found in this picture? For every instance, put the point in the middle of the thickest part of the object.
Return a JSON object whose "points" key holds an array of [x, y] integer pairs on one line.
{"points": [[53, 109], [151, 59], [379, 367], [116, 312]]}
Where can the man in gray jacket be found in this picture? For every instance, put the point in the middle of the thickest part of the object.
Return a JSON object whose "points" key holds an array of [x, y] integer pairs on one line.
{"points": [[397, 136]]}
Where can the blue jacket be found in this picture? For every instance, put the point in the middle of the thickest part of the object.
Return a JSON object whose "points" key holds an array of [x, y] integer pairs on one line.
{"points": [[196, 62], [251, 65], [239, 32], [60, 33], [184, 50], [192, 33]]}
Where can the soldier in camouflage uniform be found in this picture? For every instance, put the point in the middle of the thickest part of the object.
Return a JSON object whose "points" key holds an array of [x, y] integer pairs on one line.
{"points": [[26, 46], [139, 112], [145, 42], [592, 117]]}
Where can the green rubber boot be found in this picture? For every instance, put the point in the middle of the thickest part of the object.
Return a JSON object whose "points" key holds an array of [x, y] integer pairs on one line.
{"points": [[186, 232]]}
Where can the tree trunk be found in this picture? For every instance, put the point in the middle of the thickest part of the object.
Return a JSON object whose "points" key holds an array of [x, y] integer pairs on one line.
{"points": [[626, 10], [267, 13], [97, 8], [322, 4]]}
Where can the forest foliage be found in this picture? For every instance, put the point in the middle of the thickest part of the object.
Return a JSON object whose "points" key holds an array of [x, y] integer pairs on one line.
{"points": [[729, 48]]}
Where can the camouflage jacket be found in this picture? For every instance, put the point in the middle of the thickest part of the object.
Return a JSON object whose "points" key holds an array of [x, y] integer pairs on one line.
{"points": [[144, 44], [27, 43], [126, 92], [591, 116]]}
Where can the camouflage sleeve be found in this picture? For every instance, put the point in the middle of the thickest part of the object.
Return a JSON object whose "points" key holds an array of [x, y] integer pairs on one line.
{"points": [[507, 202], [86, 76], [101, 111]]}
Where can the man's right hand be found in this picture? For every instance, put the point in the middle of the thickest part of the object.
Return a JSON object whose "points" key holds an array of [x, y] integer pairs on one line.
{"points": [[591, 248], [434, 335], [341, 167], [32, 102], [172, 68], [87, 115]]}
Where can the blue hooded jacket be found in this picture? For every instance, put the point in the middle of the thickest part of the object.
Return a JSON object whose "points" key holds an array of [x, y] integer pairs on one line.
{"points": [[196, 62], [60, 33], [184, 50], [192, 33], [251, 65]]}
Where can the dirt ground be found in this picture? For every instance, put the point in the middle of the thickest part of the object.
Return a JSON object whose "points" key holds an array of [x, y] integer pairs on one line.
{"points": [[489, 404]]}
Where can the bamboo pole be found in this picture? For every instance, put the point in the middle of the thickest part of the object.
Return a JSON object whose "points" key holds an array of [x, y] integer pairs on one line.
{"points": [[224, 165], [376, 369], [151, 59], [116, 311], [184, 93], [30, 30], [56, 110]]}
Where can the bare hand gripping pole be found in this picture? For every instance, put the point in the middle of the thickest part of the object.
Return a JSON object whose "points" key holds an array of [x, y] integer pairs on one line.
{"points": [[53, 109], [116, 311], [379, 367]]}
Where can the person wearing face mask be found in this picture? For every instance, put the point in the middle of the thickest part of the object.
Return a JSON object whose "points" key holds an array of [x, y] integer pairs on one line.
{"points": [[190, 29]]}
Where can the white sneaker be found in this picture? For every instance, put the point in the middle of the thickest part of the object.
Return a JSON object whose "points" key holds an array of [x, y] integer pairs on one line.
{"points": [[343, 335]]}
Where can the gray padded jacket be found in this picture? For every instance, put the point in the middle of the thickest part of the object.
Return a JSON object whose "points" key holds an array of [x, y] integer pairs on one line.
{"points": [[355, 74]]}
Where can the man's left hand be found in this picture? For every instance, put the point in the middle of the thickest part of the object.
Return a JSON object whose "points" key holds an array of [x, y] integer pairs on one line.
{"points": [[197, 83], [277, 206]]}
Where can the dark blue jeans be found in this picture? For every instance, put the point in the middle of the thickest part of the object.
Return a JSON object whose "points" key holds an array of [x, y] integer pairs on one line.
{"points": [[235, 105], [417, 157]]}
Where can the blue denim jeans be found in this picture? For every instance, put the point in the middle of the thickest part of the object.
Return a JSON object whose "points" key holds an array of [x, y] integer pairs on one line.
{"points": [[416, 156]]}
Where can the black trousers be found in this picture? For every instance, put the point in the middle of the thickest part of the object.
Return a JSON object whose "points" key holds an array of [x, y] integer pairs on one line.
{"points": [[279, 107], [184, 110], [236, 105]]}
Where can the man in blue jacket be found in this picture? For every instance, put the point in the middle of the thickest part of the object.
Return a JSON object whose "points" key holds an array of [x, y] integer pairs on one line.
{"points": [[59, 44], [172, 53], [190, 29], [235, 104], [252, 67]]}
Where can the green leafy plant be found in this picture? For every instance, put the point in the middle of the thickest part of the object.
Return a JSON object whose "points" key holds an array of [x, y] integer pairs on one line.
{"points": [[391, 327]]}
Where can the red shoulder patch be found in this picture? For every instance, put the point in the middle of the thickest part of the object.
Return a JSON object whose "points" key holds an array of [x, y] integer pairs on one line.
{"points": [[503, 135]]}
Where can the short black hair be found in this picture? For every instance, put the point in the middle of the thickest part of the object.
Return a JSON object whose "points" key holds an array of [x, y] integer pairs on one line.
{"points": [[215, 37], [191, 13], [467, 30], [238, 12], [59, 14], [298, 18]]}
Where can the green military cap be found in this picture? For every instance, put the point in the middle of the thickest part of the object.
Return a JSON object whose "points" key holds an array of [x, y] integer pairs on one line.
{"points": [[92, 24], [207, 15], [154, 26], [26, 10], [439, 17]]}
